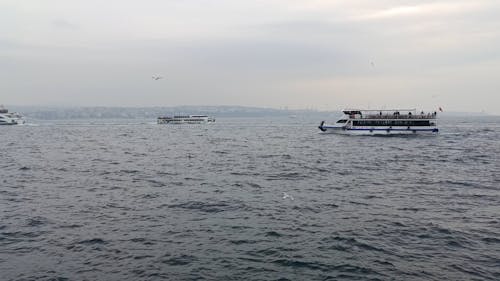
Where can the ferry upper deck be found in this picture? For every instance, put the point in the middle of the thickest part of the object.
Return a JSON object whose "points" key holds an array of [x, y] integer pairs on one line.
{"points": [[388, 114]]}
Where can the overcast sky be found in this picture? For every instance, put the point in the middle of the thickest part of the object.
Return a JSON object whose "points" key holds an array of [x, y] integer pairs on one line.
{"points": [[270, 53]]}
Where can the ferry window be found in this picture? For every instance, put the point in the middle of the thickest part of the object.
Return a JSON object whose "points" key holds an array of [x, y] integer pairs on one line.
{"points": [[342, 121]]}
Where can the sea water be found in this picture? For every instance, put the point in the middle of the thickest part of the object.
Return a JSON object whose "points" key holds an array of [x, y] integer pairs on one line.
{"points": [[248, 199]]}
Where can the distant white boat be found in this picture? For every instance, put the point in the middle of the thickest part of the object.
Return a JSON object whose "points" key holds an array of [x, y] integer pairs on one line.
{"points": [[10, 118], [382, 122], [5, 120], [185, 119]]}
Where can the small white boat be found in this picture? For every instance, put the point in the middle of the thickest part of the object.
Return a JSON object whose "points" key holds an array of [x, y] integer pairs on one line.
{"points": [[6, 120], [185, 119], [10, 118], [382, 122]]}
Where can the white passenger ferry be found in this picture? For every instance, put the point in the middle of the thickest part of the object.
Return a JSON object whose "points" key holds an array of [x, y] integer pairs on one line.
{"points": [[386, 122], [185, 119]]}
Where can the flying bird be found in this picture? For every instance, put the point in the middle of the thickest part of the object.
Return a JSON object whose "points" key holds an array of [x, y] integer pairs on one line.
{"points": [[285, 196], [156, 77]]}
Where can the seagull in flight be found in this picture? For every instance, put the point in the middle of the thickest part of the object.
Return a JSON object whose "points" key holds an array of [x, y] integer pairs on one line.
{"points": [[285, 196], [156, 77]]}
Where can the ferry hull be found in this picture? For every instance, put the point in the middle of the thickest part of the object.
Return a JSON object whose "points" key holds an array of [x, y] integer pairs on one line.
{"points": [[377, 131]]}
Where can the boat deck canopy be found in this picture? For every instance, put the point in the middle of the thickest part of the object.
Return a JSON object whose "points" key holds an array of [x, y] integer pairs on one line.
{"points": [[388, 114], [359, 111], [349, 112]]}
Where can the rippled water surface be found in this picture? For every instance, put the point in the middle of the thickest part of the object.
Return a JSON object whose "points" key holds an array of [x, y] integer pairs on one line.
{"points": [[248, 199]]}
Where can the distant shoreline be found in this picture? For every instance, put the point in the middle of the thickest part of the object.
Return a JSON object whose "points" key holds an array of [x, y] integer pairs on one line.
{"points": [[103, 112]]}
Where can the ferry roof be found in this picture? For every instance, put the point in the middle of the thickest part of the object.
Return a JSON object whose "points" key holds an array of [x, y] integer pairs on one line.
{"points": [[359, 111], [184, 116], [378, 110]]}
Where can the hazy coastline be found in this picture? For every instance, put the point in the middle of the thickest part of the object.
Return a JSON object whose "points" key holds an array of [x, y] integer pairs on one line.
{"points": [[104, 112]]}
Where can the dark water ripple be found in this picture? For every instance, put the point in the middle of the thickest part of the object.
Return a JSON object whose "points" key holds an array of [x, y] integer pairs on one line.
{"points": [[273, 200]]}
